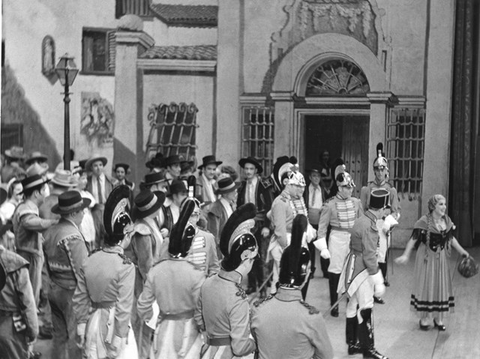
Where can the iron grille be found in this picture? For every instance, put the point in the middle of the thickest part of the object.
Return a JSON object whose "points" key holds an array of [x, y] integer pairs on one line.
{"points": [[405, 149], [257, 135], [172, 130]]}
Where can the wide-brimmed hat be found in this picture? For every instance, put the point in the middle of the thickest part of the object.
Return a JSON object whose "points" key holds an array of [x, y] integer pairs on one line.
{"points": [[154, 177], [63, 178], [157, 161], [69, 202], [36, 156], [313, 170], [33, 181], [226, 185], [15, 153], [253, 161], [177, 186], [37, 169], [95, 158], [147, 202], [209, 160], [174, 159]]}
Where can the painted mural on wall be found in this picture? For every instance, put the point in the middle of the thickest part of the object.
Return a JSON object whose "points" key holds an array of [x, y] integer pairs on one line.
{"points": [[97, 119]]}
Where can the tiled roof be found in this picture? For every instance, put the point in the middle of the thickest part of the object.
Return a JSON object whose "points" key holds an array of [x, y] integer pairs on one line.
{"points": [[200, 52], [187, 15]]}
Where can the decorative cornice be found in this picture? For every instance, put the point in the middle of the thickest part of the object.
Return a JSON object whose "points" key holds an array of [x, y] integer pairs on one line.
{"points": [[382, 97], [177, 65], [282, 96], [353, 101], [128, 37], [253, 99], [411, 101]]}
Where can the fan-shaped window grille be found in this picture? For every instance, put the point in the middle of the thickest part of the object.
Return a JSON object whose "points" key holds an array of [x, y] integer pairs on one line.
{"points": [[337, 78]]}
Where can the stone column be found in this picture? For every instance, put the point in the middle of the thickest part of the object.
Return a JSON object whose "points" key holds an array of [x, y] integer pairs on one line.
{"points": [[227, 124], [379, 107], [284, 124], [129, 121]]}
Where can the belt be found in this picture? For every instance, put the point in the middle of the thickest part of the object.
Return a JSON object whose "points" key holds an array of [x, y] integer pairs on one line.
{"points": [[338, 229], [103, 305], [178, 316], [219, 341]]}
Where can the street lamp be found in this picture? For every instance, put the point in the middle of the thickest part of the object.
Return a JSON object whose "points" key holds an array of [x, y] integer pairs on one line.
{"points": [[66, 71]]}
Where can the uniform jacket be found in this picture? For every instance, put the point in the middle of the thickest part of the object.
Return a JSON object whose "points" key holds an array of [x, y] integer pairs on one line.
{"points": [[17, 295], [27, 226], [339, 213], [281, 216], [263, 199], [393, 198], [65, 251], [223, 311], [284, 326], [175, 285], [362, 259], [106, 279]]}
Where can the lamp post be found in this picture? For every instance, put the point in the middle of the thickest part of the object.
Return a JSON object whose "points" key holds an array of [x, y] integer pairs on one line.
{"points": [[66, 71]]}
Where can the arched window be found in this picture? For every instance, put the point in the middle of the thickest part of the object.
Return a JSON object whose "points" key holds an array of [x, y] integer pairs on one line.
{"points": [[337, 78]]}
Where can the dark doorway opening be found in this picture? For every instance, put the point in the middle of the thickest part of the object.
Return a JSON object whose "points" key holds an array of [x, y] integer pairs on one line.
{"points": [[344, 136]]}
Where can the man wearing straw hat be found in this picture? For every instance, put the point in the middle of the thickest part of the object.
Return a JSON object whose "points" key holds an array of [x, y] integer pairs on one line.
{"points": [[28, 228], [65, 251]]}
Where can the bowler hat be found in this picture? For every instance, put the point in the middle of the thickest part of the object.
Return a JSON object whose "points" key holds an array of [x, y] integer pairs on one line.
{"points": [[226, 185], [36, 156], [69, 202], [253, 161], [15, 153], [93, 159], [147, 202], [209, 160]]}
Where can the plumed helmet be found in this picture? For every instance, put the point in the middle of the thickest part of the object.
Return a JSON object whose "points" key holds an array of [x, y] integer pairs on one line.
{"points": [[183, 232], [343, 178], [295, 258], [380, 161], [237, 242], [281, 168], [295, 177], [467, 267], [117, 215]]}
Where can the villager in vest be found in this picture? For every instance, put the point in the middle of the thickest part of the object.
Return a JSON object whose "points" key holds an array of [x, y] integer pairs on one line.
{"points": [[283, 325], [223, 309], [174, 284], [65, 251]]}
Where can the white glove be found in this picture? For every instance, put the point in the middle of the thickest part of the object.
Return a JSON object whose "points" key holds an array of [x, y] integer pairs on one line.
{"points": [[325, 254], [379, 287]]}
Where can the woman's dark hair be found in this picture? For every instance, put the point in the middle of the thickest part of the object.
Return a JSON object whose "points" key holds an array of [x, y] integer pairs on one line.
{"points": [[12, 187]]}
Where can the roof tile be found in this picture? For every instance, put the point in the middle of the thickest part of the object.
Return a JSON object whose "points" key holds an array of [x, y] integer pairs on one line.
{"points": [[187, 15], [200, 52]]}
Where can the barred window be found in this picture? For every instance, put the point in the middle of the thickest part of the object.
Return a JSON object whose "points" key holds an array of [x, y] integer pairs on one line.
{"points": [[405, 148], [98, 55], [172, 130], [257, 135], [134, 7], [12, 135]]}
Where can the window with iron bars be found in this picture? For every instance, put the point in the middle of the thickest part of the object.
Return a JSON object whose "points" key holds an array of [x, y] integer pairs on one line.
{"points": [[405, 150], [172, 130], [258, 136], [134, 7]]}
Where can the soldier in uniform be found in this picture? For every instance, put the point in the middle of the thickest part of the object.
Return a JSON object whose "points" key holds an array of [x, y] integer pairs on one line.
{"points": [[339, 212], [254, 189], [285, 207], [361, 278], [146, 248], [380, 168], [18, 311], [175, 284], [283, 325], [223, 310], [103, 299], [65, 251]]}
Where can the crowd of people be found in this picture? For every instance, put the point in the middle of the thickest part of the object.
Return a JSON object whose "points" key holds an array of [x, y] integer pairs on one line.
{"points": [[112, 269]]}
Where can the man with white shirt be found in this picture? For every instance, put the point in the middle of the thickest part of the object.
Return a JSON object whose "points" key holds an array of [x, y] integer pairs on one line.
{"points": [[222, 208], [171, 210], [99, 185], [254, 189]]}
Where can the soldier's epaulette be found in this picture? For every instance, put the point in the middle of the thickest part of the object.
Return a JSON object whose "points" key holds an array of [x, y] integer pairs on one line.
{"points": [[311, 308], [126, 260], [259, 302], [266, 182], [241, 292]]}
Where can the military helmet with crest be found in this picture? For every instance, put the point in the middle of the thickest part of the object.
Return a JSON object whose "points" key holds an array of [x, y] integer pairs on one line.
{"points": [[117, 215]]}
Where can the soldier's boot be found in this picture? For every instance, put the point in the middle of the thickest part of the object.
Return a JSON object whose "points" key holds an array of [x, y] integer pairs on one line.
{"points": [[351, 336], [383, 268], [366, 338], [333, 279]]}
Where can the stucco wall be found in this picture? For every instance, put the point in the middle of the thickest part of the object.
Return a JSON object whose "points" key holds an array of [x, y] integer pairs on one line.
{"points": [[179, 36], [25, 24], [171, 88]]}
